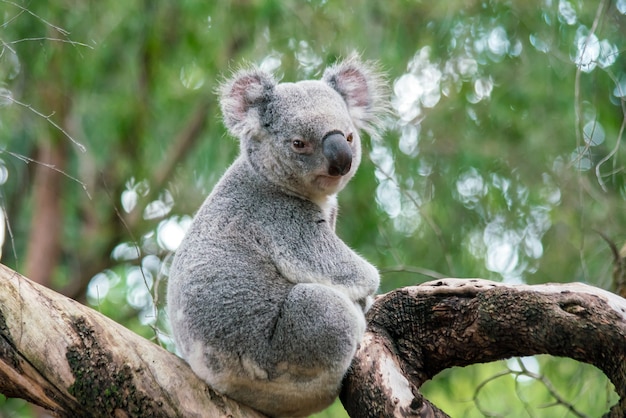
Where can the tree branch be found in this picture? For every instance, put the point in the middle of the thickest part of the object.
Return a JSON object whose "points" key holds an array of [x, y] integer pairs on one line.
{"points": [[416, 332], [67, 358], [73, 361]]}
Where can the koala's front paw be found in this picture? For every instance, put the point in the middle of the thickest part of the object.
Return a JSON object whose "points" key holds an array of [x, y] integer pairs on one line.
{"points": [[365, 303]]}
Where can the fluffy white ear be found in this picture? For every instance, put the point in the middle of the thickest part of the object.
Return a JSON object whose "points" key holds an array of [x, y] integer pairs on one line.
{"points": [[241, 99], [362, 86]]}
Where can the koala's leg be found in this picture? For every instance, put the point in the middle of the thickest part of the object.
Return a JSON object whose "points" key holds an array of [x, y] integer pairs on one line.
{"points": [[312, 344], [300, 365], [317, 332], [312, 311]]}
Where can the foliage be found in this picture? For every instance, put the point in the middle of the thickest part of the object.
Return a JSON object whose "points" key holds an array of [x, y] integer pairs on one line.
{"points": [[501, 159]]}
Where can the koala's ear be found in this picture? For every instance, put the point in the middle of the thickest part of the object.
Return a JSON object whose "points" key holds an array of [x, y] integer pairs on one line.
{"points": [[362, 87], [242, 97]]}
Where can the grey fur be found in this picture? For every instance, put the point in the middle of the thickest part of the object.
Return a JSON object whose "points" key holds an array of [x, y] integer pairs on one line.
{"points": [[266, 302]]}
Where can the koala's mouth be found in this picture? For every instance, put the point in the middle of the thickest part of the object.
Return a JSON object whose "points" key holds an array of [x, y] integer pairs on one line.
{"points": [[327, 182]]}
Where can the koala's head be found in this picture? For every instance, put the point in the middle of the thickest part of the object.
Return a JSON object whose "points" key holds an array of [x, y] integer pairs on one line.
{"points": [[304, 136]]}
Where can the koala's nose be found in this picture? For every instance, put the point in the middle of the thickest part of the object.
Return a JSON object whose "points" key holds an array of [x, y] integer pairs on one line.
{"points": [[338, 153]]}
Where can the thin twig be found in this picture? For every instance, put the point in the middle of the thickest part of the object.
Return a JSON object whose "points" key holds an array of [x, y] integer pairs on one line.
{"points": [[559, 400], [577, 101], [6, 23], [481, 386], [140, 254], [29, 160], [419, 207], [578, 122], [614, 150], [47, 38], [80, 146], [24, 9]]}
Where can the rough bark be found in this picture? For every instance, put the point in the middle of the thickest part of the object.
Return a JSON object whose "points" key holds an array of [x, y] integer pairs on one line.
{"points": [[416, 332], [75, 362]]}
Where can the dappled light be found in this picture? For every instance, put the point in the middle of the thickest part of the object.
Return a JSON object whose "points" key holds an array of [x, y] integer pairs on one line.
{"points": [[591, 52], [511, 253], [524, 377]]}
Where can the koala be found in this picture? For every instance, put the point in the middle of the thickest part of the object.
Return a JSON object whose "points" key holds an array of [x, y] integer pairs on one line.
{"points": [[266, 302]]}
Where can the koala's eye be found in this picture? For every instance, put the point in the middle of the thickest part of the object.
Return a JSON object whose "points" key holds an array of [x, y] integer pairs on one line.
{"points": [[301, 146], [349, 138]]}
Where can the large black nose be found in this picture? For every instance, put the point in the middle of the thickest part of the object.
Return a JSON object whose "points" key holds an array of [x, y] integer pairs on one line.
{"points": [[338, 153]]}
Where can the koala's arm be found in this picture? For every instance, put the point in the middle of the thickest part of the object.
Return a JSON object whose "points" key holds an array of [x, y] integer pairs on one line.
{"points": [[312, 253], [353, 276]]}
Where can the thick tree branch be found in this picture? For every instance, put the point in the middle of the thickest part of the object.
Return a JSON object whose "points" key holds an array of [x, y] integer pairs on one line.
{"points": [[416, 332], [75, 362]]}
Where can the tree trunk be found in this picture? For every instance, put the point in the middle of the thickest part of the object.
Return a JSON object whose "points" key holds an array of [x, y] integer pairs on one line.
{"points": [[75, 362]]}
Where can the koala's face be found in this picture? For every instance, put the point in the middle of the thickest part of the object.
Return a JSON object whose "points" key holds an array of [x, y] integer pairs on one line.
{"points": [[303, 136], [307, 142]]}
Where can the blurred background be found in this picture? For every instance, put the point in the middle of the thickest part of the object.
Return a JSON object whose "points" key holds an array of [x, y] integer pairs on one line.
{"points": [[503, 157]]}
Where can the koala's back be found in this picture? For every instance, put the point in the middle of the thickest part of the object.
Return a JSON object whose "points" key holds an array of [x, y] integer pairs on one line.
{"points": [[222, 266], [230, 306]]}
